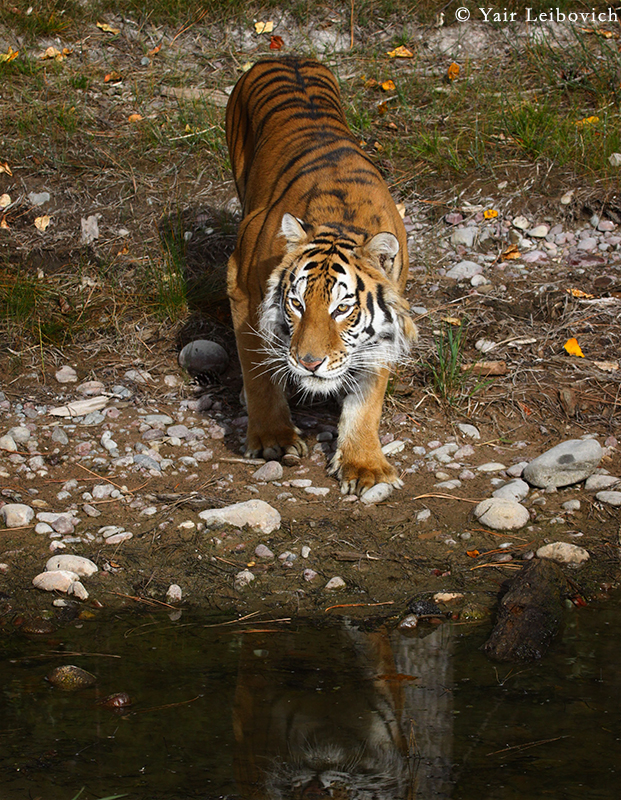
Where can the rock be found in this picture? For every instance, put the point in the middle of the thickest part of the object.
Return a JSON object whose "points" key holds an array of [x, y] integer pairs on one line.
{"points": [[203, 356], [83, 567], [521, 223], [139, 376], [263, 551], [567, 463], [408, 623], [394, 447], [335, 583], [306, 551], [513, 490], [571, 505], [478, 280], [39, 198], [63, 522], [454, 218], [59, 436], [501, 514], [595, 483], [567, 197], [590, 243], [491, 466], [146, 462], [270, 471], [469, 430], [564, 553], [80, 407], [610, 498], [78, 590], [159, 420], [16, 515], [606, 225], [534, 256], [614, 159], [91, 388], [516, 470], [101, 491], [174, 593], [377, 494], [70, 678], [447, 597], [464, 270], [309, 574], [58, 580], [243, 579], [256, 514], [464, 237], [66, 374], [539, 231], [424, 515], [178, 432], [8, 444], [117, 538], [20, 434]]}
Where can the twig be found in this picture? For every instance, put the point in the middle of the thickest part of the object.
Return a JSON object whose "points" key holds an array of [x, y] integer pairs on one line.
{"points": [[360, 605], [447, 497], [169, 705], [148, 601], [90, 471], [497, 564], [526, 746]]}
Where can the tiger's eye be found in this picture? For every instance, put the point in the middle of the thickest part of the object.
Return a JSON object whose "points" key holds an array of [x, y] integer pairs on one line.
{"points": [[342, 308], [295, 303]]}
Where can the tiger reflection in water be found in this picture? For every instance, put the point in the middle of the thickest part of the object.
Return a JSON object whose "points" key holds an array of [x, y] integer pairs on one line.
{"points": [[321, 715]]}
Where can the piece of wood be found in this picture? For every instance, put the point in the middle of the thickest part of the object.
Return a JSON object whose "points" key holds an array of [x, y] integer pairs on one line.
{"points": [[530, 613]]}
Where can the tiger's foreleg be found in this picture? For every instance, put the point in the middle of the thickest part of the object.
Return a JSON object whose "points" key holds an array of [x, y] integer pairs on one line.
{"points": [[271, 432], [359, 462]]}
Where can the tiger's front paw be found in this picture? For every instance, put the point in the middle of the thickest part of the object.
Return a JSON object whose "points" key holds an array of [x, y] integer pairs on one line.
{"points": [[357, 475], [274, 445]]}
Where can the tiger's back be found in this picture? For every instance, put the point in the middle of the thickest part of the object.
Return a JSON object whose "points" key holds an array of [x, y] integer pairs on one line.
{"points": [[317, 276]]}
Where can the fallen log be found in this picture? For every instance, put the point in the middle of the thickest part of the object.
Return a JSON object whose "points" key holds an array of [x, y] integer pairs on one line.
{"points": [[530, 613]]}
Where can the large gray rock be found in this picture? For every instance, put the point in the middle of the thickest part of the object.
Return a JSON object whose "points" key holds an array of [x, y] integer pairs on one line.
{"points": [[203, 356], [564, 553], [501, 514], [513, 490], [16, 515], [464, 270], [464, 237], [567, 463], [256, 514]]}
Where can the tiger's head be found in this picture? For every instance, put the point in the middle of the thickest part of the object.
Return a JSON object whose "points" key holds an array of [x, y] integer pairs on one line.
{"points": [[332, 315]]}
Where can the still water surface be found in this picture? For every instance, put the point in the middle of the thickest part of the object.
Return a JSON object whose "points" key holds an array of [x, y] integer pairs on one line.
{"points": [[300, 711]]}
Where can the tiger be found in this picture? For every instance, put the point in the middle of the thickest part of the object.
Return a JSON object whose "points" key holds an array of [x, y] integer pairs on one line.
{"points": [[316, 281]]}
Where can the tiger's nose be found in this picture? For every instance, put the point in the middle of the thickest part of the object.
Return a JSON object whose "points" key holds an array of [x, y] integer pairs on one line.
{"points": [[310, 362]]}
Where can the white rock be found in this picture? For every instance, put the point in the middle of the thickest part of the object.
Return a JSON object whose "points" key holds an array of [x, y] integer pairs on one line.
{"points": [[203, 356], [564, 553], [83, 567], [464, 237], [521, 223], [43, 527], [539, 231], [453, 483], [516, 470], [571, 505], [377, 493], [424, 515], [300, 483], [90, 388], [16, 515], [305, 552], [57, 581], [396, 446], [447, 597], [117, 538], [615, 159], [567, 197], [174, 593], [7, 443], [256, 514], [610, 498], [318, 491], [66, 374], [513, 490], [464, 270], [595, 483], [335, 583], [78, 590], [140, 376], [243, 578], [20, 434], [567, 463], [270, 471], [491, 466], [479, 280], [469, 430], [263, 551], [309, 574], [101, 491], [501, 515]]}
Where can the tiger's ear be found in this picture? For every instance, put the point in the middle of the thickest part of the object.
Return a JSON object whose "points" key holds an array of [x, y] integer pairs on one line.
{"points": [[293, 230], [384, 247]]}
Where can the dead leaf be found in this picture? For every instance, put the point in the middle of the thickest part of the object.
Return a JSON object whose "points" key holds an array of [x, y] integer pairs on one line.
{"points": [[65, 305], [264, 27], [215, 96], [113, 77], [52, 52], [41, 223], [472, 553], [4, 167], [134, 118], [155, 50], [388, 86], [4, 224], [370, 84], [601, 32], [5, 200], [452, 320], [526, 409], [573, 348], [453, 71], [103, 26], [486, 368], [400, 52], [490, 213], [586, 121], [580, 293], [382, 109], [607, 366], [10, 54], [401, 210], [276, 42], [510, 253]]}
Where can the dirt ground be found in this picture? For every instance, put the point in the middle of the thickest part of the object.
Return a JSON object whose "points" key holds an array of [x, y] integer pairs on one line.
{"points": [[384, 554]]}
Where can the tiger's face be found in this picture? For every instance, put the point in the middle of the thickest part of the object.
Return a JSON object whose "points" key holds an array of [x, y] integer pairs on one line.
{"points": [[331, 316]]}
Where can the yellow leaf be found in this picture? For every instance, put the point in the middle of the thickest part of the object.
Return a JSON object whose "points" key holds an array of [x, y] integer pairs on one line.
{"points": [[400, 52], [134, 117], [4, 224], [103, 26], [511, 252], [491, 213], [41, 223], [5, 200], [52, 52], [401, 210], [8, 56], [580, 293], [4, 167], [573, 348], [113, 77], [388, 86], [587, 121], [451, 320], [453, 71], [370, 84], [264, 27]]}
